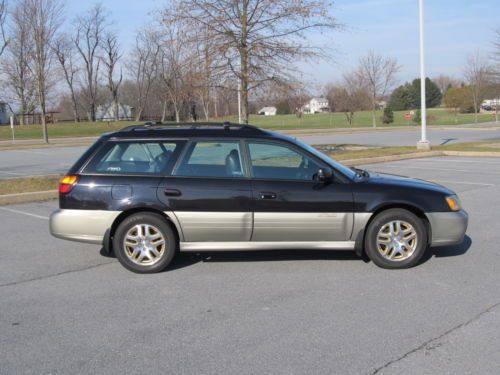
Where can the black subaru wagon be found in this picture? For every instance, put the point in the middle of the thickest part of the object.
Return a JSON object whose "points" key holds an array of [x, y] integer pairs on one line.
{"points": [[146, 192]]}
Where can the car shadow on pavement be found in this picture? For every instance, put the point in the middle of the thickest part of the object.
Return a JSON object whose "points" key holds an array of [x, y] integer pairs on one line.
{"points": [[186, 259], [448, 251]]}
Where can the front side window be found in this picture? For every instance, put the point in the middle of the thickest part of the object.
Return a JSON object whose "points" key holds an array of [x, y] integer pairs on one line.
{"points": [[274, 161], [212, 159], [134, 158]]}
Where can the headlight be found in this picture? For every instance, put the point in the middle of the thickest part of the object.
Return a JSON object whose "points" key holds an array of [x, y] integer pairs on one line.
{"points": [[453, 202]]}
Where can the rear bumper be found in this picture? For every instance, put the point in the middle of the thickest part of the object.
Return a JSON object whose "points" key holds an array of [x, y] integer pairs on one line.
{"points": [[88, 226], [448, 228]]}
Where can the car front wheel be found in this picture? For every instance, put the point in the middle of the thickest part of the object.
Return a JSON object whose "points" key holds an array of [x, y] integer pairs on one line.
{"points": [[396, 238], [144, 243]]}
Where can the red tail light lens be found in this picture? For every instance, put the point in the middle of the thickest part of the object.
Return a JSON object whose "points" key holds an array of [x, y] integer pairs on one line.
{"points": [[67, 183]]}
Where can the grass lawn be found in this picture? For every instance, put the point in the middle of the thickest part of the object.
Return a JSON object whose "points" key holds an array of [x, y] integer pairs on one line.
{"points": [[27, 184], [279, 122], [436, 116]]}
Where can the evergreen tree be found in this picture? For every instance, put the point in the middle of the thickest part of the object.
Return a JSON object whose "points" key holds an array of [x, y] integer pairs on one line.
{"points": [[433, 94], [388, 117]]}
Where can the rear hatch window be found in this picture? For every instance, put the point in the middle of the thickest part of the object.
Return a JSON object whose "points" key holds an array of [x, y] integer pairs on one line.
{"points": [[135, 157]]}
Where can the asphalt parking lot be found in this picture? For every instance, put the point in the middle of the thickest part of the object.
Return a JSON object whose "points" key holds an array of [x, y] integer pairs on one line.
{"points": [[64, 308]]}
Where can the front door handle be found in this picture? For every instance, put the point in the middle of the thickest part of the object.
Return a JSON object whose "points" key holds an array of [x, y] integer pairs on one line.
{"points": [[172, 192], [267, 195]]}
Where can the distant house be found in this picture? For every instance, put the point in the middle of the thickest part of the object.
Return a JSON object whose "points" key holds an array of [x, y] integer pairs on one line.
{"points": [[106, 112], [268, 111], [316, 105], [5, 113]]}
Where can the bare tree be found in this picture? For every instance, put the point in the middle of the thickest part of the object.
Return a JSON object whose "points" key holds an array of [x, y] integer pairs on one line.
{"points": [[445, 82], [350, 96], [143, 66], [16, 67], [90, 28], [496, 46], [44, 18], [110, 59], [259, 40], [203, 68], [3, 17], [64, 49], [379, 75], [174, 60], [477, 73]]}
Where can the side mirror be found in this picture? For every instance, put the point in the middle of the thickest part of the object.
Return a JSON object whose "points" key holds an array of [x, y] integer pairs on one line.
{"points": [[325, 174]]}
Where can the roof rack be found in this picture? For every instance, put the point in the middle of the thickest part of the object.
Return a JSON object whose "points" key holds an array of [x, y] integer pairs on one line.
{"points": [[226, 125]]}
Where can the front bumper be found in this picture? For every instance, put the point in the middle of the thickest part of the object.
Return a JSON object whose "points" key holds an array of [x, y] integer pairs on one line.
{"points": [[88, 226], [448, 228]]}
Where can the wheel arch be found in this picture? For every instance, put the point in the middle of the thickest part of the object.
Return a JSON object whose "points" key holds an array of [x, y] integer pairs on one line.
{"points": [[170, 218], [360, 238]]}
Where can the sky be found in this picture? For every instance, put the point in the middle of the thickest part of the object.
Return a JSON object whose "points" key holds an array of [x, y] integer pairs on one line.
{"points": [[454, 28]]}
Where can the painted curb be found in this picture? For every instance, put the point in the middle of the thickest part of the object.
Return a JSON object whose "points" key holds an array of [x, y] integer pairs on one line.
{"points": [[383, 159]]}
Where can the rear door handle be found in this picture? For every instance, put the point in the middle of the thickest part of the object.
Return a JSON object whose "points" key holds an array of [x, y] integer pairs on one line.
{"points": [[267, 195], [172, 192]]}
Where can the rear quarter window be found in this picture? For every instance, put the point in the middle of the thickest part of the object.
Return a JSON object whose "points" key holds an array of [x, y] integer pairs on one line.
{"points": [[135, 157]]}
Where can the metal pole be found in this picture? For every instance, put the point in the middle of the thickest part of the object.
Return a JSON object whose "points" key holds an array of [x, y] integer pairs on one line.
{"points": [[423, 143], [239, 101], [12, 128]]}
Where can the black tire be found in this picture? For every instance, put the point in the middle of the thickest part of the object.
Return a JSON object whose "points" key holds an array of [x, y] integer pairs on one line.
{"points": [[163, 227], [394, 215]]}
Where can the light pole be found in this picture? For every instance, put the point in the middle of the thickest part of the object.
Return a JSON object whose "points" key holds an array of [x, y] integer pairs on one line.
{"points": [[423, 144]]}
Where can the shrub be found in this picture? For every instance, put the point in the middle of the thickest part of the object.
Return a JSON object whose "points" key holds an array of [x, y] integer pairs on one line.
{"points": [[388, 116]]}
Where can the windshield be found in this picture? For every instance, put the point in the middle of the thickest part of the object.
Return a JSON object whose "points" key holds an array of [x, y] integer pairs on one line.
{"points": [[335, 164]]}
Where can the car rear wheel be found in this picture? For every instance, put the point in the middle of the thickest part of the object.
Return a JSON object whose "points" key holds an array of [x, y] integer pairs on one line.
{"points": [[144, 243], [396, 238]]}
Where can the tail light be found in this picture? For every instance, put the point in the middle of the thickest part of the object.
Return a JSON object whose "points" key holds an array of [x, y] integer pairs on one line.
{"points": [[66, 184]]}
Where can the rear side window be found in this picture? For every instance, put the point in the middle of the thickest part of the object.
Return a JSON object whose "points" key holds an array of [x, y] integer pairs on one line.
{"points": [[135, 157], [212, 159]]}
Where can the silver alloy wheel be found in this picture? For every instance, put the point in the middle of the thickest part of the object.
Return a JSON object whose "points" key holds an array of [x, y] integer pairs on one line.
{"points": [[397, 240], [144, 244]]}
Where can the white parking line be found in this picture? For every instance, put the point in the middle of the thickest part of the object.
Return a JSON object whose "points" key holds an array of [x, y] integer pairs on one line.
{"points": [[24, 213]]}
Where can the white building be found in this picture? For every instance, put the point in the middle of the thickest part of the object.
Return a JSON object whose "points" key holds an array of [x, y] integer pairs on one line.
{"points": [[316, 105], [268, 111], [107, 112]]}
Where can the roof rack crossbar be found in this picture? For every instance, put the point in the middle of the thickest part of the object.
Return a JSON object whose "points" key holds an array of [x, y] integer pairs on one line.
{"points": [[226, 125]]}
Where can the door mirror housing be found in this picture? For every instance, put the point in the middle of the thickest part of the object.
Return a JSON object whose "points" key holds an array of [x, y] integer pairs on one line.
{"points": [[324, 175]]}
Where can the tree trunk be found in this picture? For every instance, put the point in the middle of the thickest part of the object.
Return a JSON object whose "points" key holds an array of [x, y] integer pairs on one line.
{"points": [[75, 107], [374, 115], [244, 64], [475, 111], [216, 112], [177, 116], [164, 111], [116, 108]]}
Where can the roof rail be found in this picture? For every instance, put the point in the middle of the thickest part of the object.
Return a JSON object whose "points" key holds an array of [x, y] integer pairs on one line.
{"points": [[226, 125]]}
